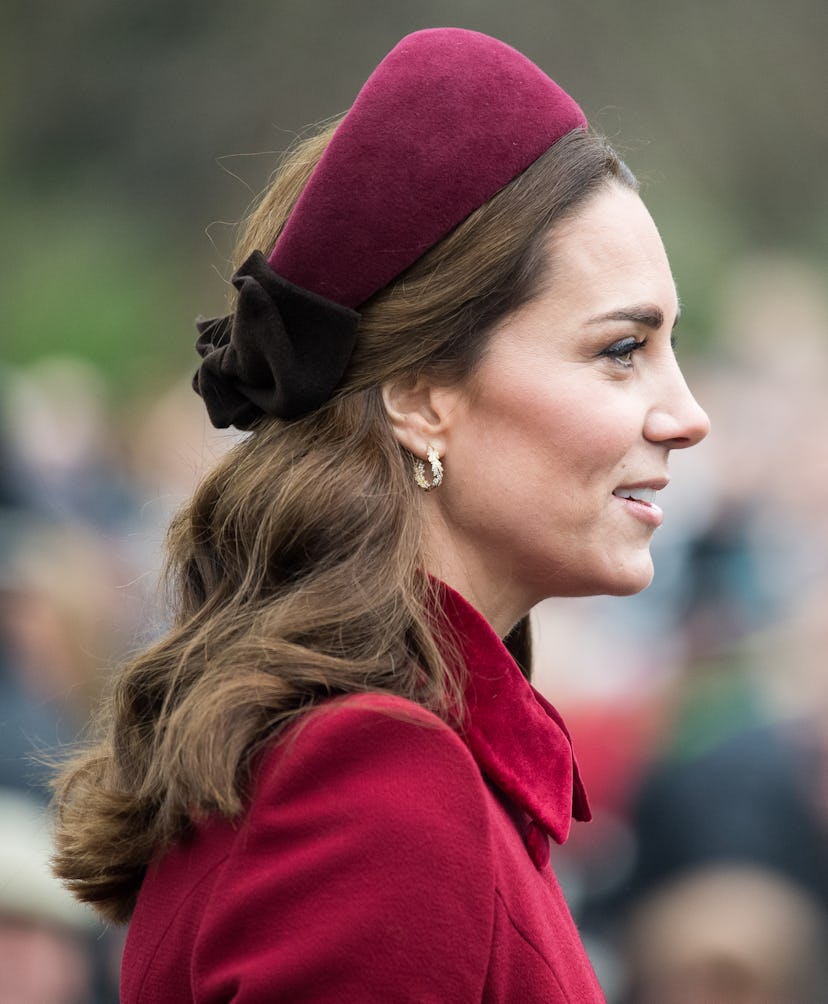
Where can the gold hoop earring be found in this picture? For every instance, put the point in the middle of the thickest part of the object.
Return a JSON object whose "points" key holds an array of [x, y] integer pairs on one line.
{"points": [[436, 471]]}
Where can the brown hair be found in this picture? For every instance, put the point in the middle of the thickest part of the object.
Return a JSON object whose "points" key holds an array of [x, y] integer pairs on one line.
{"points": [[295, 568]]}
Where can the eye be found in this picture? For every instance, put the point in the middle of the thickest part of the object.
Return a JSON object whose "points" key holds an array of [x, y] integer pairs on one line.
{"points": [[623, 350]]}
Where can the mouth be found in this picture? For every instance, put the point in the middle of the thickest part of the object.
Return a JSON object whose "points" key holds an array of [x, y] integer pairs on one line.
{"points": [[639, 501], [645, 495]]}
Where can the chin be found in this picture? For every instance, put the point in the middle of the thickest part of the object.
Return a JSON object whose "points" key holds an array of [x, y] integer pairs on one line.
{"points": [[632, 580], [626, 578], [615, 586]]}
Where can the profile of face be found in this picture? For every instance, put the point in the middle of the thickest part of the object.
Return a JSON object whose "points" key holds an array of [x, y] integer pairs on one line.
{"points": [[555, 448]]}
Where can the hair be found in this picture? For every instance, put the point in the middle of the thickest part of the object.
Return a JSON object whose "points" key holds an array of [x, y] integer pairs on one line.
{"points": [[295, 571]]}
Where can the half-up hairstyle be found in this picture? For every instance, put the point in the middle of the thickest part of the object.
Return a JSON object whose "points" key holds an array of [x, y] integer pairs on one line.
{"points": [[295, 571]]}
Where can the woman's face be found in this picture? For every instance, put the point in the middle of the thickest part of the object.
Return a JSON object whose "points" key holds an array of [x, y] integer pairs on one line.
{"points": [[554, 450]]}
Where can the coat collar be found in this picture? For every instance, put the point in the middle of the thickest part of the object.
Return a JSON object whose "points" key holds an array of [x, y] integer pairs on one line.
{"points": [[517, 738]]}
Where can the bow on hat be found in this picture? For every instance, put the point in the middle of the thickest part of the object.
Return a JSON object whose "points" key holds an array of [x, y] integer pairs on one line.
{"points": [[281, 353], [445, 121]]}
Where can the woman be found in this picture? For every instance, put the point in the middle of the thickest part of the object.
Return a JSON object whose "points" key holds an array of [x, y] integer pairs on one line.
{"points": [[331, 781]]}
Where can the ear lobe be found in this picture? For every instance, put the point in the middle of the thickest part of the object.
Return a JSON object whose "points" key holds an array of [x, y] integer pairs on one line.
{"points": [[416, 422]]}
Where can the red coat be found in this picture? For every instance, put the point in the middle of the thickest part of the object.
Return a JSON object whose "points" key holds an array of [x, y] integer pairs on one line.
{"points": [[383, 859]]}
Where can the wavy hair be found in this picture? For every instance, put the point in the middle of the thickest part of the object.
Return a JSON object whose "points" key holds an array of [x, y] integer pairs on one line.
{"points": [[295, 571]]}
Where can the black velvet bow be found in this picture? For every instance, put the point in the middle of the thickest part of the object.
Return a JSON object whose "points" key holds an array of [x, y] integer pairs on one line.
{"points": [[282, 352]]}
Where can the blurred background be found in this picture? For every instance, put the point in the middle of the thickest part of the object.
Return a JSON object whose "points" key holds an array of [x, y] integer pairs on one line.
{"points": [[133, 138]]}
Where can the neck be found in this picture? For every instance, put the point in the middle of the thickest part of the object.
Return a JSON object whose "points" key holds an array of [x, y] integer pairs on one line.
{"points": [[493, 592]]}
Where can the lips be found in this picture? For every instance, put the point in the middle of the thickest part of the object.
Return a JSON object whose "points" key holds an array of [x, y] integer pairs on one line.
{"points": [[639, 501]]}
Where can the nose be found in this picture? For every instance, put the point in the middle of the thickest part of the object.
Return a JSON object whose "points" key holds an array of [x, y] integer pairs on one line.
{"points": [[677, 420]]}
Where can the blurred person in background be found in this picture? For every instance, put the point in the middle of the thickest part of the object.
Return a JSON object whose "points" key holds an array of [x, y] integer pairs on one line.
{"points": [[46, 949], [727, 900], [59, 624], [65, 449], [727, 934], [452, 349], [63, 619], [726, 896]]}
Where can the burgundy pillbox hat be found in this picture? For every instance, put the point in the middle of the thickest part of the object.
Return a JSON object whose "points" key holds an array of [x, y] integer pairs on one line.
{"points": [[446, 120]]}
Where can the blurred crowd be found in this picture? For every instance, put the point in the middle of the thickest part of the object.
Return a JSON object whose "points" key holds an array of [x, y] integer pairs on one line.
{"points": [[699, 708], [87, 486]]}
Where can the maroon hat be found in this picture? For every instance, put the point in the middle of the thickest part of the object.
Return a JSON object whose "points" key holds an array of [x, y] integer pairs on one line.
{"points": [[446, 120]]}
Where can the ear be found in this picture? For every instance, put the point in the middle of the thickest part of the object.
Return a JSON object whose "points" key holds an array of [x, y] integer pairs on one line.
{"points": [[419, 413]]}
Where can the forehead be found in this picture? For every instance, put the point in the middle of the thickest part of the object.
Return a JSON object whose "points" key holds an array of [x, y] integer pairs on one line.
{"points": [[609, 254]]}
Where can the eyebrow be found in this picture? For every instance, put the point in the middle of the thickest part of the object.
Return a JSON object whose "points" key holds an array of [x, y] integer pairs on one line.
{"points": [[647, 316]]}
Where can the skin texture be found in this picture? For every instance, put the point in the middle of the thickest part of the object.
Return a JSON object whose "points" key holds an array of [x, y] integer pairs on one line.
{"points": [[579, 395]]}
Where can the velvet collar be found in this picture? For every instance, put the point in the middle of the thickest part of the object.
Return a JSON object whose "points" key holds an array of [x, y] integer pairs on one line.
{"points": [[517, 738]]}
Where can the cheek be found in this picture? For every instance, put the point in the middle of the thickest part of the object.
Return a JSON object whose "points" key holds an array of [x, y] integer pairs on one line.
{"points": [[564, 440], [570, 437], [536, 459]]}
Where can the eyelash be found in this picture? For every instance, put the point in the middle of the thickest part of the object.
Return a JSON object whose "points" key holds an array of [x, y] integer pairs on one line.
{"points": [[626, 347]]}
